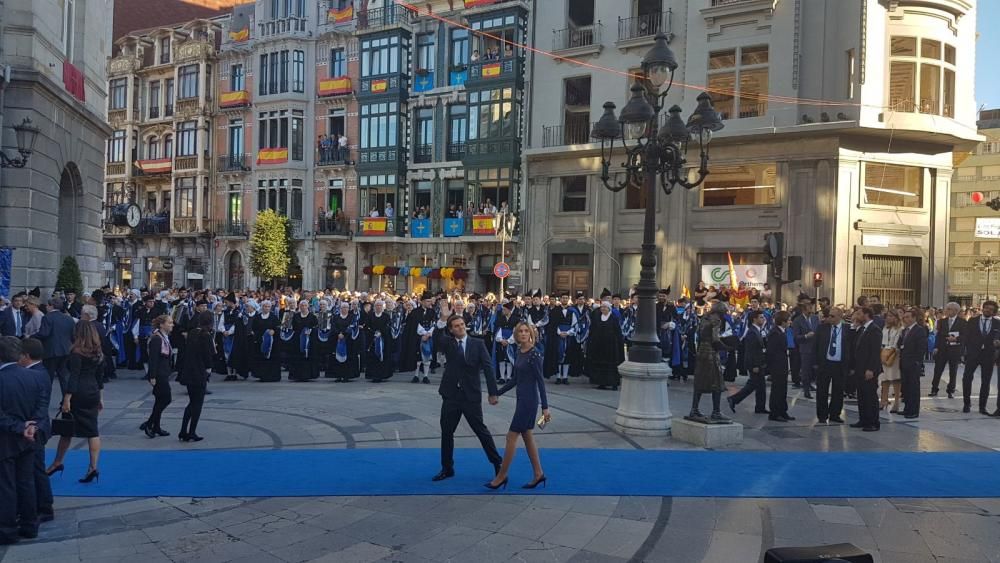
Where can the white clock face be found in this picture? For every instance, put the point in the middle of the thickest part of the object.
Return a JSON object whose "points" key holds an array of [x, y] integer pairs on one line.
{"points": [[132, 216]]}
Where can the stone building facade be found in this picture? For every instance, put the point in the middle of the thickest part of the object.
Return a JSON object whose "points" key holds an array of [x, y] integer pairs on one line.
{"points": [[51, 208]]}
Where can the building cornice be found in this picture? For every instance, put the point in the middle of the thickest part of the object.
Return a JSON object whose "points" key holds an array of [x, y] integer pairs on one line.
{"points": [[29, 77]]}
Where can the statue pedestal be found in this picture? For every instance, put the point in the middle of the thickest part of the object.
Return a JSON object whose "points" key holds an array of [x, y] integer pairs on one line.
{"points": [[707, 435], [643, 406]]}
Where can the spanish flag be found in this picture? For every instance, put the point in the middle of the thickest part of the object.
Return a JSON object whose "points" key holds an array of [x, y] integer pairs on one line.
{"points": [[732, 271], [374, 225], [239, 36], [272, 156], [379, 86], [491, 70], [483, 225], [234, 99], [340, 15], [156, 166], [335, 86]]}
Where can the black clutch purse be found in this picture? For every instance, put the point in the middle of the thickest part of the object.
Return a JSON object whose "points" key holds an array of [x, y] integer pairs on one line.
{"points": [[64, 425]]}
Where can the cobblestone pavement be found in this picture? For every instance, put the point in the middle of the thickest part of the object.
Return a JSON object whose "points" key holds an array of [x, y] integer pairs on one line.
{"points": [[323, 414]]}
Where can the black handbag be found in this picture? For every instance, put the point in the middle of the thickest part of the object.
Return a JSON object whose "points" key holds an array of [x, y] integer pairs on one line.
{"points": [[64, 425]]}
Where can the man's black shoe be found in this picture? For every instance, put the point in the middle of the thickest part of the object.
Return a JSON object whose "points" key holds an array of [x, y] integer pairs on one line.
{"points": [[427, 379], [821, 420], [445, 474], [996, 413], [732, 404], [789, 418], [808, 395], [777, 418], [46, 517], [28, 534], [984, 411], [870, 429], [415, 379], [857, 425], [762, 411], [966, 408], [911, 416], [933, 393], [836, 419], [951, 394]]}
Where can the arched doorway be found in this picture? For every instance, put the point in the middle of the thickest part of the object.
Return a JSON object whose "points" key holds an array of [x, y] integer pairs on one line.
{"points": [[70, 196], [235, 271]]}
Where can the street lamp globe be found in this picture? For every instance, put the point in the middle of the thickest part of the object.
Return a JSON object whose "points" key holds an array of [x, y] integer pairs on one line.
{"points": [[26, 134], [659, 63], [705, 120], [675, 131], [637, 113], [607, 127]]}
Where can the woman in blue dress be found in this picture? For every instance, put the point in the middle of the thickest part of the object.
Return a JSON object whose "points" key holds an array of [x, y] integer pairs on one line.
{"points": [[527, 378]]}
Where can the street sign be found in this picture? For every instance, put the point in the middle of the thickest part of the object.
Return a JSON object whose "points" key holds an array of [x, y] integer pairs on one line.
{"points": [[501, 270]]}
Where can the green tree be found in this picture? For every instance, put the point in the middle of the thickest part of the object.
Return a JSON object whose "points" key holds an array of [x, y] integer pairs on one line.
{"points": [[69, 278], [270, 246]]}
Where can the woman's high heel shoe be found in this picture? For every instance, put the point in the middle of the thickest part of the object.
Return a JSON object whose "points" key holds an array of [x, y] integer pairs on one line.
{"points": [[501, 484], [54, 469], [91, 476], [540, 481]]}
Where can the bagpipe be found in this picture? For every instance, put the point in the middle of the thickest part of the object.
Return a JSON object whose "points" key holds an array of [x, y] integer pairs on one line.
{"points": [[266, 344], [352, 332], [478, 319], [378, 346], [323, 326], [426, 346], [145, 331], [396, 323], [582, 325], [507, 336], [287, 330], [685, 316], [539, 327], [628, 323], [228, 338], [118, 340]]}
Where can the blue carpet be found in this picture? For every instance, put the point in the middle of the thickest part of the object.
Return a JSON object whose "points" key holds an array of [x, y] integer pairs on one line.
{"points": [[571, 472]]}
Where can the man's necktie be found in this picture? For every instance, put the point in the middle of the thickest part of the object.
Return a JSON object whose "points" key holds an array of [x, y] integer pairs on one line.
{"points": [[833, 341], [461, 347], [17, 323]]}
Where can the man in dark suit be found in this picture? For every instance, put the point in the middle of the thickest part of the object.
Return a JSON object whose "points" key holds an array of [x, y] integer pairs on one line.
{"points": [[460, 389], [948, 349], [804, 331], [832, 359], [20, 401], [72, 307], [12, 318], [980, 336], [56, 334], [867, 363], [777, 367], [755, 362], [31, 359], [912, 349]]}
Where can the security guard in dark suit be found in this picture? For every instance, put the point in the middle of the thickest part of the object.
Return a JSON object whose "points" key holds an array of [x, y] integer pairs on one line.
{"points": [[20, 402], [31, 359]]}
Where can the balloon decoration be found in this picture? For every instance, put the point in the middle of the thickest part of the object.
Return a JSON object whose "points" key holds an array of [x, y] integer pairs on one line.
{"points": [[977, 197], [407, 271]]}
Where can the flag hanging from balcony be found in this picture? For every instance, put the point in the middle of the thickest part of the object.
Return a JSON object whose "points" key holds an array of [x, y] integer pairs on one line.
{"points": [[234, 99], [491, 70], [420, 228], [272, 156], [342, 11], [156, 166], [335, 86], [374, 225], [454, 227], [475, 3], [73, 81], [483, 225], [239, 23], [379, 86]]}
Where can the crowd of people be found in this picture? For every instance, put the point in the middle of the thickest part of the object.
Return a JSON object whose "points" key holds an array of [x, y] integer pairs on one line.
{"points": [[838, 352]]}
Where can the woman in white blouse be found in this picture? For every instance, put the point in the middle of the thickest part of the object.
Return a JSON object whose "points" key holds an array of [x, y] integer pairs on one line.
{"points": [[891, 378]]}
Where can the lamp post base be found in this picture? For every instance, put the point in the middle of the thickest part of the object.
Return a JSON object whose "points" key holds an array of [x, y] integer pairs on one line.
{"points": [[644, 406]]}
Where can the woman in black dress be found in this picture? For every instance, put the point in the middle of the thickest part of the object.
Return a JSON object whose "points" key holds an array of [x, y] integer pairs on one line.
{"points": [[605, 348], [342, 359], [527, 377], [302, 364], [194, 374], [380, 344], [159, 374], [265, 352], [84, 397]]}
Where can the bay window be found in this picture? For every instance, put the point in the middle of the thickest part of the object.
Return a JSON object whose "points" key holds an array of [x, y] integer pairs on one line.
{"points": [[921, 76]]}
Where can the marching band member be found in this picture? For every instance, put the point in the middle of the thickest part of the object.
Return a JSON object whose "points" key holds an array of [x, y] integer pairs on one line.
{"points": [[302, 364], [505, 350], [267, 357], [381, 343], [342, 361]]}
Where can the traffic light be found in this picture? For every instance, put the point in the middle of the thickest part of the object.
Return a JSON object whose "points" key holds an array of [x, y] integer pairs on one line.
{"points": [[793, 271], [818, 279], [774, 252]]}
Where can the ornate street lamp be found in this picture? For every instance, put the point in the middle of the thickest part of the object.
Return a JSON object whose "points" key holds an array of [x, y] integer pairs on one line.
{"points": [[650, 154], [987, 265], [26, 135]]}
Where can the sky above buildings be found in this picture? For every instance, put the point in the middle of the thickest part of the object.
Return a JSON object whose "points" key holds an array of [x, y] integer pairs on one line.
{"points": [[987, 48]]}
